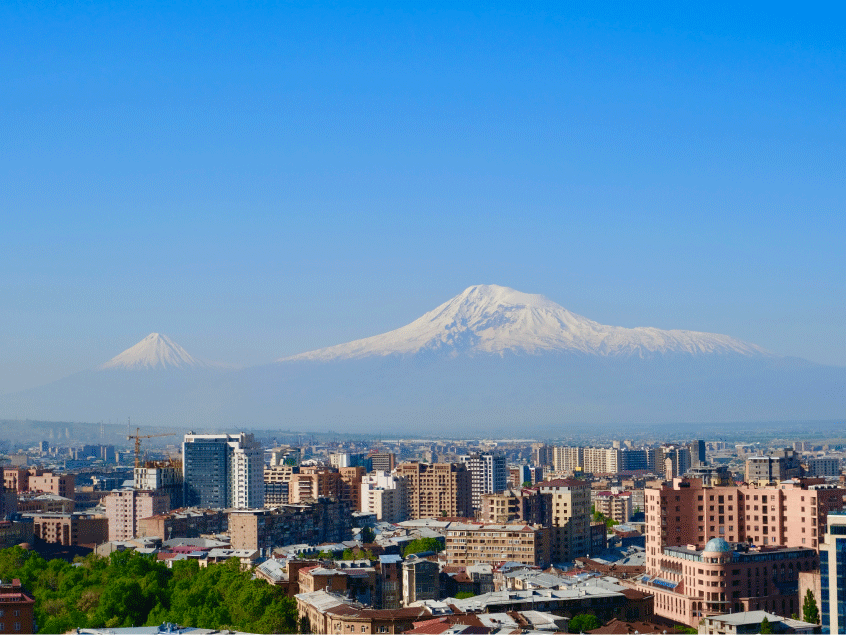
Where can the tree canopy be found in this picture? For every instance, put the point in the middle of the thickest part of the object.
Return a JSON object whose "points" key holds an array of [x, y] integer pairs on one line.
{"points": [[129, 589], [423, 544], [810, 612], [584, 622]]}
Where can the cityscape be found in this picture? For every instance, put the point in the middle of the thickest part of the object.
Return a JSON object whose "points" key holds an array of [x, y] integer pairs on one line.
{"points": [[466, 318], [405, 535]]}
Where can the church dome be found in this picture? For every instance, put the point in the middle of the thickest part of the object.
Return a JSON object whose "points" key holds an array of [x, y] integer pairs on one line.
{"points": [[717, 545]]}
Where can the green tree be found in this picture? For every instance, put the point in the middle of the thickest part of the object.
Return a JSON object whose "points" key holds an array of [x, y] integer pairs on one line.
{"points": [[810, 612], [527, 483], [367, 535], [584, 622], [463, 595], [766, 627], [423, 544]]}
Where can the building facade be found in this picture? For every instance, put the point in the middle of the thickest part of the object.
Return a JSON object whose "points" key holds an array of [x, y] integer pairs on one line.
{"points": [[222, 470], [437, 489], [570, 518], [125, 507], [494, 544], [488, 474]]}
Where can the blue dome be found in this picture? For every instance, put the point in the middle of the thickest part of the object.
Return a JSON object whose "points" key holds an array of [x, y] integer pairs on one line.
{"points": [[717, 545]]}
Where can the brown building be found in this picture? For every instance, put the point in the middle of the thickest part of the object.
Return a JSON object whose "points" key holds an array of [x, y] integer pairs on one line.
{"points": [[329, 613], [434, 490], [191, 522], [30, 502], [495, 544], [84, 530], [17, 609], [14, 533], [314, 482], [570, 512], [325, 520], [523, 505], [350, 486]]}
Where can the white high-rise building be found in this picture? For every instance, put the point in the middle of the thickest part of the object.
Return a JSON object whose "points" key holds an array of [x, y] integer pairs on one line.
{"points": [[385, 495], [223, 470], [489, 475]]}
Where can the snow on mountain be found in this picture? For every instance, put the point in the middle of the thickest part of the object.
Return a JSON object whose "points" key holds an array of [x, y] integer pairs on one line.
{"points": [[490, 319], [156, 351]]}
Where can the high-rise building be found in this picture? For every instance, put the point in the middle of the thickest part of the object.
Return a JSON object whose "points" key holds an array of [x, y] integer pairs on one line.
{"points": [[438, 489], [488, 473], [833, 575], [163, 478], [570, 514], [824, 466], [222, 471], [568, 459], [381, 462], [792, 514], [125, 507], [542, 454]]}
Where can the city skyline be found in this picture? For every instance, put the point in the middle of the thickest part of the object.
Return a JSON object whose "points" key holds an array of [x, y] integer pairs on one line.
{"points": [[260, 182]]}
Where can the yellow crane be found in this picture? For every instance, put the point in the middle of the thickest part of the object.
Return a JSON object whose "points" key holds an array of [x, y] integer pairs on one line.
{"points": [[138, 436]]}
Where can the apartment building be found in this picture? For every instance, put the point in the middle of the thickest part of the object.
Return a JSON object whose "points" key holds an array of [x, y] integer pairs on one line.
{"points": [[790, 514], [222, 470], [524, 505], [488, 473], [570, 518], [87, 530], [125, 507], [568, 459], [437, 489], [385, 495], [615, 505], [468, 544], [324, 520]]}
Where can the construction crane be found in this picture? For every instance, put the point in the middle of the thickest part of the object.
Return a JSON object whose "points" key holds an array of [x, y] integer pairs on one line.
{"points": [[138, 436]]}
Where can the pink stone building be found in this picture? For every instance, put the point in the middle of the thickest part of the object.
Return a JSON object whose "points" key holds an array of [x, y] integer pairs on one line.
{"points": [[690, 584]]}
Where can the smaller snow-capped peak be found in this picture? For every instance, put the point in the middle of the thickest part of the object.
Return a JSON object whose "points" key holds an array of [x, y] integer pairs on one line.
{"points": [[156, 351]]}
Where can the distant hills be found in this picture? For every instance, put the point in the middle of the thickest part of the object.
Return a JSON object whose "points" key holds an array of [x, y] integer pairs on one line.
{"points": [[490, 359]]}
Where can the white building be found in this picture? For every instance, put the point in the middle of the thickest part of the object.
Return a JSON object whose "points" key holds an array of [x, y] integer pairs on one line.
{"points": [[488, 473], [384, 494]]}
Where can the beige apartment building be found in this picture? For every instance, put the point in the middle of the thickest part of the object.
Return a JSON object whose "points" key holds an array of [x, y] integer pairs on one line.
{"points": [[124, 508], [439, 489], [468, 544]]}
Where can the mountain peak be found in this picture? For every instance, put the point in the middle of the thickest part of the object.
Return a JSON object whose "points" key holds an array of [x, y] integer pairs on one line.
{"points": [[491, 319], [156, 351]]}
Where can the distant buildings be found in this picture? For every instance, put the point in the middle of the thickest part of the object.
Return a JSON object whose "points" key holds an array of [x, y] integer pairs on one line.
{"points": [[385, 495], [468, 544]]}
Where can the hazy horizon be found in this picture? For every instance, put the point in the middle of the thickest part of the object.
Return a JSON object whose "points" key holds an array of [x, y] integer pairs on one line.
{"points": [[261, 181]]}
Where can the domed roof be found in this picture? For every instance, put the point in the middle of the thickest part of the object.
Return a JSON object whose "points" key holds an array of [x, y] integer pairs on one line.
{"points": [[717, 545]]}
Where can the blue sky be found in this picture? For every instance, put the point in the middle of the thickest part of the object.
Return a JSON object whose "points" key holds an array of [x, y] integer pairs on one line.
{"points": [[257, 181]]}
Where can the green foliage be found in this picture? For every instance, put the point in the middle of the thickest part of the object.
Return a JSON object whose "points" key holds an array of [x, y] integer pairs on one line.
{"points": [[584, 622], [423, 544], [684, 629], [527, 483], [600, 517], [128, 589], [463, 595], [367, 535], [810, 612], [766, 627]]}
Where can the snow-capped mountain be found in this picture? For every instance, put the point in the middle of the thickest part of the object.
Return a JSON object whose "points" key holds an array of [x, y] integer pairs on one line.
{"points": [[156, 351], [490, 319]]}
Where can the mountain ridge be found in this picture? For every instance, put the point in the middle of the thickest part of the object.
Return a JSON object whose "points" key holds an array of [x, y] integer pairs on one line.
{"points": [[491, 319]]}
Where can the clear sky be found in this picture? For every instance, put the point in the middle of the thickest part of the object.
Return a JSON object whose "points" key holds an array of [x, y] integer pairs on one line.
{"points": [[261, 179]]}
